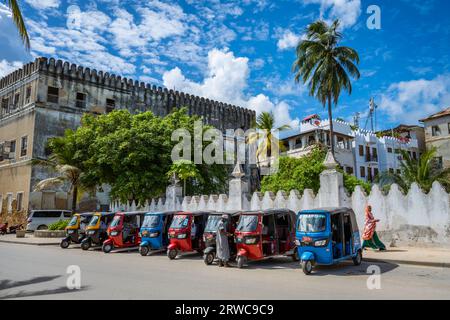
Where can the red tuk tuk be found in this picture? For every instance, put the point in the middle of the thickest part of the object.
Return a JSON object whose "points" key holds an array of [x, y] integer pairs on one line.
{"points": [[123, 232], [262, 234], [186, 233]]}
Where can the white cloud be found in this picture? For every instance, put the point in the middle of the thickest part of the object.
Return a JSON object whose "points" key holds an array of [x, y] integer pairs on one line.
{"points": [[7, 67], [226, 80], [287, 40], [348, 11], [409, 101], [44, 4]]}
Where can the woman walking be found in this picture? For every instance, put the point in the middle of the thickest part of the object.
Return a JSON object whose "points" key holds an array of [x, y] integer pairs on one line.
{"points": [[370, 236]]}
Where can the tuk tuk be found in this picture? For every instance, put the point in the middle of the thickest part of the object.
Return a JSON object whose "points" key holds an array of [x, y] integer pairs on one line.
{"points": [[327, 236], [96, 229], [154, 231], [262, 234], [186, 233], [75, 230], [209, 235], [123, 232]]}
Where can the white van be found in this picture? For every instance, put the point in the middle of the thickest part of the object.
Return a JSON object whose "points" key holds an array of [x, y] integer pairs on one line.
{"points": [[41, 219]]}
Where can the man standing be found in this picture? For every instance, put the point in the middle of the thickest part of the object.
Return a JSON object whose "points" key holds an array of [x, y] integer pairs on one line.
{"points": [[223, 249]]}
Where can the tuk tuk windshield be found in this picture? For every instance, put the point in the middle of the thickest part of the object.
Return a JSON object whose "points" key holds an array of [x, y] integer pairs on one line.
{"points": [[212, 223], [73, 221], [247, 223], [312, 223], [93, 221], [116, 221], [179, 222], [151, 221]]}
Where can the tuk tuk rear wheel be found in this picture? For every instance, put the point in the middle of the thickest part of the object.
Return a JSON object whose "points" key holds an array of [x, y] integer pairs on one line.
{"points": [[144, 250], [85, 245], [64, 243], [241, 261], [307, 267], [172, 253], [209, 258], [107, 248], [357, 259]]}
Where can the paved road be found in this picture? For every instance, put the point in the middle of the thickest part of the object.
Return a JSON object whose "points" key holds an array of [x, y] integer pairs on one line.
{"points": [[40, 272]]}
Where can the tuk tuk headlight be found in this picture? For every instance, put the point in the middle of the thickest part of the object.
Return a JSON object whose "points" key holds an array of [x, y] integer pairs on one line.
{"points": [[321, 243], [182, 236], [70, 231], [114, 233], [91, 232], [251, 240], [154, 234], [297, 243]]}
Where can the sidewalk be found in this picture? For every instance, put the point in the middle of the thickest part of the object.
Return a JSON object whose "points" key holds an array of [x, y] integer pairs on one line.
{"points": [[29, 239], [432, 257]]}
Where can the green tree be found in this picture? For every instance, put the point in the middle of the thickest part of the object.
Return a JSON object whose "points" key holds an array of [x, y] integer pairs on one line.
{"points": [[423, 171], [324, 65], [185, 170], [18, 21], [66, 160], [265, 126]]}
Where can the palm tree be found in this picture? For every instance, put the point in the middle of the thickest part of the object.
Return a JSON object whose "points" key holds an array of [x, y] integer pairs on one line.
{"points": [[18, 21], [265, 126], [64, 162], [422, 171], [324, 65]]}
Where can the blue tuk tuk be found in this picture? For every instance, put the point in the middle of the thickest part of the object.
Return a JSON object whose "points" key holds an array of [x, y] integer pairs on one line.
{"points": [[327, 236], [154, 231]]}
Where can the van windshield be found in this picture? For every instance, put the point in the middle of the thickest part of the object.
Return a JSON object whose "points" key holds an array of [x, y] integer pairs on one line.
{"points": [[312, 223], [213, 222], [151, 221], [73, 221], [93, 222], [247, 223], [179, 222]]}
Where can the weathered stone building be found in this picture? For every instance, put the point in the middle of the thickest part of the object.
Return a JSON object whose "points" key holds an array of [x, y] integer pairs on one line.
{"points": [[437, 134], [45, 97]]}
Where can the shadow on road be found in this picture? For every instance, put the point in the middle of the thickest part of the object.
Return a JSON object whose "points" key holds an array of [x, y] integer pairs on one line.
{"points": [[8, 284], [24, 294]]}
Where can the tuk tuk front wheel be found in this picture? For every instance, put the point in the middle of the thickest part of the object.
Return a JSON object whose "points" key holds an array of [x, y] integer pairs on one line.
{"points": [[172, 253], [358, 258], [307, 267], [241, 261], [64, 243], [295, 256], [144, 250], [209, 258], [85, 245], [107, 248]]}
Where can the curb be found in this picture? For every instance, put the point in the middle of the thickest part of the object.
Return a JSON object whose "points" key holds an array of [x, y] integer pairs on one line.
{"points": [[410, 262], [30, 243]]}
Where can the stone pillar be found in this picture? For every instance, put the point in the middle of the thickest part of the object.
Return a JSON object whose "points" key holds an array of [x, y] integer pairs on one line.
{"points": [[332, 191], [238, 190], [174, 194]]}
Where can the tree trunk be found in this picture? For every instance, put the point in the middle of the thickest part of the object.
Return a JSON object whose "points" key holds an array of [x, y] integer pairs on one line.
{"points": [[330, 116], [74, 198]]}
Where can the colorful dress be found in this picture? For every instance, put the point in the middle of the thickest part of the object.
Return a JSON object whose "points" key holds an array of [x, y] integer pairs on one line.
{"points": [[370, 236]]}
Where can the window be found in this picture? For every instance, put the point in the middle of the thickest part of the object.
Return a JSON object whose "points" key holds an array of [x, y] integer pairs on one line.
{"points": [[9, 199], [414, 155], [362, 172], [12, 148], [24, 146], [391, 170], [1, 203], [81, 100], [110, 105], [298, 143], [361, 151], [5, 102], [369, 174], [375, 172], [52, 94], [374, 154], [28, 95], [19, 201], [435, 131], [16, 100], [389, 150], [448, 127], [349, 170]]}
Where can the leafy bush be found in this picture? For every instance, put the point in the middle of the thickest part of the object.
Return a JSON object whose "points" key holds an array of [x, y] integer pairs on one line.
{"points": [[60, 225], [350, 182]]}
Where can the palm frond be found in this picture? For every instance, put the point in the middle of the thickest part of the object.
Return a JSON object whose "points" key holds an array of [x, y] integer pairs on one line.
{"points": [[19, 22], [50, 182]]}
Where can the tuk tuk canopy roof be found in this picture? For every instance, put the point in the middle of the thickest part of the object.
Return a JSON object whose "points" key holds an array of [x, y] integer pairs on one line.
{"points": [[163, 213], [268, 212], [327, 210], [131, 213], [195, 213]]}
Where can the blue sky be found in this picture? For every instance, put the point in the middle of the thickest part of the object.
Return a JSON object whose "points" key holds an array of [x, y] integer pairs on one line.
{"points": [[241, 52]]}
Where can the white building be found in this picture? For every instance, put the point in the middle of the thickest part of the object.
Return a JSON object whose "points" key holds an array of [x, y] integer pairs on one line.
{"points": [[360, 152]]}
